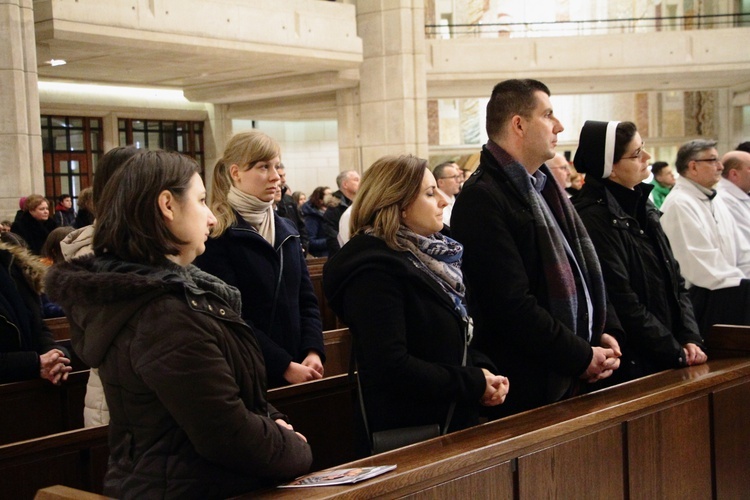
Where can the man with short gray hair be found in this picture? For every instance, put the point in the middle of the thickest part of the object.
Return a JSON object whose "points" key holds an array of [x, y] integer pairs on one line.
{"points": [[448, 177], [704, 238]]}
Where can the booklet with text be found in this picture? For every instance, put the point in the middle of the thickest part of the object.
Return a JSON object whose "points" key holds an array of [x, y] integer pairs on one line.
{"points": [[338, 476]]}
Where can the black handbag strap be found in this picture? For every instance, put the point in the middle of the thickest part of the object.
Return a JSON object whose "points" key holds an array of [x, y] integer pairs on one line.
{"points": [[354, 372]]}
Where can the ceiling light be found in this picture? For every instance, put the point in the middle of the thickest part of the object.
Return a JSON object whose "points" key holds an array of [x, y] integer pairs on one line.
{"points": [[56, 62]]}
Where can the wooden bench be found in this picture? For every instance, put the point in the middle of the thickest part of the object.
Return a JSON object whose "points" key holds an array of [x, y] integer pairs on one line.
{"points": [[321, 410], [676, 434], [34, 408], [60, 327]]}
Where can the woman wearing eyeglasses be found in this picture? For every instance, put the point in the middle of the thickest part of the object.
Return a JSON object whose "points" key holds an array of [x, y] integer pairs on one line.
{"points": [[641, 275]]}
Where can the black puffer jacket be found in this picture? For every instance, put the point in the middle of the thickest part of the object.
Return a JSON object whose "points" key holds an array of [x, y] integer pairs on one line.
{"points": [[33, 232], [184, 379], [641, 275]]}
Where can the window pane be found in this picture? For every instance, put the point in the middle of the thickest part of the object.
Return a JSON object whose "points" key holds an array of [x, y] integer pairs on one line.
{"points": [[153, 125], [153, 140], [95, 123], [94, 161], [121, 124], [58, 121], [60, 139], [139, 139], [76, 140], [62, 166], [95, 140], [75, 186], [198, 142], [123, 138], [138, 125]]}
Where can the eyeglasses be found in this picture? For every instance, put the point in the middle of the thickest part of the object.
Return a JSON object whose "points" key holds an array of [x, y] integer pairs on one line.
{"points": [[562, 167], [712, 161], [637, 155], [455, 177]]}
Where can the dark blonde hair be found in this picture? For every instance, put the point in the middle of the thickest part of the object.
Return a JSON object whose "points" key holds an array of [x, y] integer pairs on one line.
{"points": [[33, 201], [244, 150], [390, 185]]}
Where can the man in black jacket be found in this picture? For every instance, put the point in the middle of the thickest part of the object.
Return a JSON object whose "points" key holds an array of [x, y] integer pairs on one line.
{"points": [[286, 207], [534, 285], [348, 183]]}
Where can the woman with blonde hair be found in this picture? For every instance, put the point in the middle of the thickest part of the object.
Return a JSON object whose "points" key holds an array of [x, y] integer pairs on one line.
{"points": [[35, 223], [260, 253], [398, 285]]}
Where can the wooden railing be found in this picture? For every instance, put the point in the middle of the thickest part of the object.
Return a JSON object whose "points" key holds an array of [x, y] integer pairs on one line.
{"points": [[676, 434]]}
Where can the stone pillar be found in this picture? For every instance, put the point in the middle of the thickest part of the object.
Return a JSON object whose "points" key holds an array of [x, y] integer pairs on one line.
{"points": [[387, 112], [215, 136], [21, 164]]}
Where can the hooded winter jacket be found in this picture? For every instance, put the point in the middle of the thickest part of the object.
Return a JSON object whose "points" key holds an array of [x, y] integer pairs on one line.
{"points": [[184, 379]]}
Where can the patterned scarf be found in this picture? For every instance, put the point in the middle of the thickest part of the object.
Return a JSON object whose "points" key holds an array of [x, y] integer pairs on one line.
{"points": [[256, 212], [440, 258], [561, 282]]}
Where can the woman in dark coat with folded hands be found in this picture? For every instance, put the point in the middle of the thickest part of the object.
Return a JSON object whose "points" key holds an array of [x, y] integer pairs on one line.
{"points": [[260, 253], [641, 275], [398, 285]]}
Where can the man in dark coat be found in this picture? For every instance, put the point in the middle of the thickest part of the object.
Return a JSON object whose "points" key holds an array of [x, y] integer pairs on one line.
{"points": [[534, 285], [286, 207], [348, 183]]}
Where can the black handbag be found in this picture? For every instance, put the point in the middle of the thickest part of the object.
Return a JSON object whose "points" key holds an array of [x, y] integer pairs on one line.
{"points": [[382, 441]]}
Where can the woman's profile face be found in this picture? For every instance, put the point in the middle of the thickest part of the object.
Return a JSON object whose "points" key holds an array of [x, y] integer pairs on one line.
{"points": [[260, 180], [192, 221], [633, 166], [41, 212], [302, 200], [424, 215]]}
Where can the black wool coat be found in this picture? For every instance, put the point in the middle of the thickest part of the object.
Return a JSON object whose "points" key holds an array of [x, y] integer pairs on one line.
{"points": [[408, 338], [642, 276], [507, 293]]}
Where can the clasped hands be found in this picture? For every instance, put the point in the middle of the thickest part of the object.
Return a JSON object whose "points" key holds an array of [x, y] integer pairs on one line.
{"points": [[605, 361], [54, 366], [496, 389], [311, 368]]}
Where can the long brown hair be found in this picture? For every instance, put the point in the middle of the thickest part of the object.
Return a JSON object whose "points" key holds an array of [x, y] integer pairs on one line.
{"points": [[390, 185], [244, 150]]}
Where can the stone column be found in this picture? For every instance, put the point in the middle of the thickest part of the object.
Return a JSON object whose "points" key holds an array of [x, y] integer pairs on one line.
{"points": [[387, 112], [21, 164]]}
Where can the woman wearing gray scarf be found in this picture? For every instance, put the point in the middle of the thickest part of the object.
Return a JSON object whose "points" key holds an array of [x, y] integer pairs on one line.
{"points": [[398, 285], [260, 253]]}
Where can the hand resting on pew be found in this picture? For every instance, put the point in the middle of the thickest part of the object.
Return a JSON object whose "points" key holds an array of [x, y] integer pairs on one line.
{"points": [[311, 368], [605, 361]]}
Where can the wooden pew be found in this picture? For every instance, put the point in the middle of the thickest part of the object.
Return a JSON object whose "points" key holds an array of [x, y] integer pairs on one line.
{"points": [[676, 434], [338, 346], [60, 327], [77, 459], [34, 408], [321, 410], [327, 316]]}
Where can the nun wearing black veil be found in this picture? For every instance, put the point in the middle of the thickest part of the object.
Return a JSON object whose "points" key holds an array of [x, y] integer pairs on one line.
{"points": [[641, 275]]}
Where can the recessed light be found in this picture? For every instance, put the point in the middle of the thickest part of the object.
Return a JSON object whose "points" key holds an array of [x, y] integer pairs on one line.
{"points": [[56, 62]]}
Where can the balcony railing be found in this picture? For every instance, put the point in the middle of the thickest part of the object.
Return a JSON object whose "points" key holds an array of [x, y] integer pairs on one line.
{"points": [[586, 27]]}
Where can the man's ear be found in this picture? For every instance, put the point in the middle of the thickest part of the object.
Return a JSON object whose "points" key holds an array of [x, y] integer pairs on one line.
{"points": [[166, 201], [516, 124]]}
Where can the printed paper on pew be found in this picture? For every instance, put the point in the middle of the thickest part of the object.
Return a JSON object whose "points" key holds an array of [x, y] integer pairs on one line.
{"points": [[338, 476]]}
